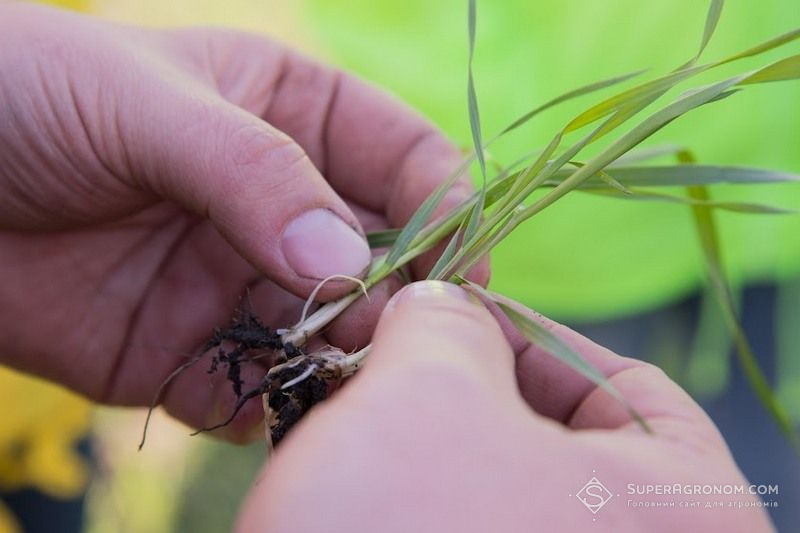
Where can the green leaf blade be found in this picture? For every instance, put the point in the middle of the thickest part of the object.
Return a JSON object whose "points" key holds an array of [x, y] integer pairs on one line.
{"points": [[539, 335], [382, 239], [684, 175], [581, 91], [709, 241]]}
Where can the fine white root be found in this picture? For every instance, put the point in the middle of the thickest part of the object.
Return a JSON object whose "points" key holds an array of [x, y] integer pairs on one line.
{"points": [[306, 373], [319, 286], [312, 324], [330, 362]]}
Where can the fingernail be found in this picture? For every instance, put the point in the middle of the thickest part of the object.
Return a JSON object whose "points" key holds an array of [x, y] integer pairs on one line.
{"points": [[428, 291], [319, 244]]}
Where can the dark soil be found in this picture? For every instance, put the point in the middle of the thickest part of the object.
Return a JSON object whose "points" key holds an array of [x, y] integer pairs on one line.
{"points": [[250, 339]]}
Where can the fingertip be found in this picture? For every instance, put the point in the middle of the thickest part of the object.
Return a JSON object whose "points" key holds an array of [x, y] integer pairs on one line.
{"points": [[440, 329], [430, 293], [262, 192], [318, 244]]}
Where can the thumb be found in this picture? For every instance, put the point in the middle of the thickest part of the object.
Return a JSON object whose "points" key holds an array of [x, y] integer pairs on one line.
{"points": [[257, 186], [437, 329]]}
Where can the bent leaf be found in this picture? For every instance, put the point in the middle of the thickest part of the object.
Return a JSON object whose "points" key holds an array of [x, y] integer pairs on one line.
{"points": [[539, 335], [381, 239], [683, 175], [709, 241], [736, 207]]}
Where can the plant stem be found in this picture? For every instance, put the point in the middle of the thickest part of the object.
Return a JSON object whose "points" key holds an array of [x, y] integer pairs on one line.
{"points": [[427, 238]]}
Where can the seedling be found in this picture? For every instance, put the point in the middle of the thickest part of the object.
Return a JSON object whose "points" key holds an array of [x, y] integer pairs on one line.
{"points": [[512, 195]]}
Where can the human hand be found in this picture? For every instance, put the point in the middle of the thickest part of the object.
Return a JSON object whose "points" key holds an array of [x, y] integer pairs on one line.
{"points": [[149, 179], [446, 429]]}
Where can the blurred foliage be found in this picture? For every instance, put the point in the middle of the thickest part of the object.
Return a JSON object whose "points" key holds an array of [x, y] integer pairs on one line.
{"points": [[135, 491], [788, 343], [586, 257], [215, 489], [175, 483]]}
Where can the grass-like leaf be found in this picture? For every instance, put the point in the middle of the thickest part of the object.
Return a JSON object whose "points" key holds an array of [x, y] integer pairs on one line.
{"points": [[475, 127], [783, 70], [472, 97], [581, 91], [622, 107], [736, 207], [381, 239], [653, 89], [423, 213], [542, 337], [712, 19], [709, 240], [714, 12], [786, 69], [481, 244], [439, 268], [653, 124], [683, 175], [766, 46], [492, 213]]}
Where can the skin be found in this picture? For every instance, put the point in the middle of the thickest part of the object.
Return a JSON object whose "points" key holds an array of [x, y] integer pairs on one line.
{"points": [[458, 424], [149, 181]]}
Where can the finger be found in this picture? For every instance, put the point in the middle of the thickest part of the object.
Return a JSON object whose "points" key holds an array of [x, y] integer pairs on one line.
{"points": [[255, 183], [438, 392], [354, 328], [435, 328], [377, 151], [480, 273], [556, 390], [372, 148]]}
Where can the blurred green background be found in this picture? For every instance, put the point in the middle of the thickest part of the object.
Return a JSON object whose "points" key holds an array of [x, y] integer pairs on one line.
{"points": [[584, 260], [589, 258]]}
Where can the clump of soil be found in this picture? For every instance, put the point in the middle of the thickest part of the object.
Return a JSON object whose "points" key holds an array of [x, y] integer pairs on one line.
{"points": [[290, 385], [287, 407]]}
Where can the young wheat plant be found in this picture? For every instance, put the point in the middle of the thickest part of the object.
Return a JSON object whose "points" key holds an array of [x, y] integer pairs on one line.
{"points": [[512, 195]]}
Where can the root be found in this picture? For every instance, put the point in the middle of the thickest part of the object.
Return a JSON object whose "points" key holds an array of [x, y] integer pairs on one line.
{"points": [[157, 397], [289, 390], [243, 399], [252, 340], [295, 382], [313, 295]]}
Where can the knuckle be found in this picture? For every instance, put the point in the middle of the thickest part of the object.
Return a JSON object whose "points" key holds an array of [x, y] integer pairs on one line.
{"points": [[254, 152], [254, 146]]}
